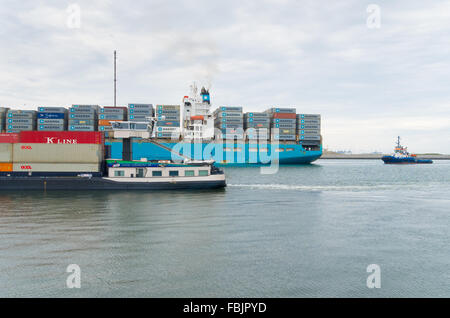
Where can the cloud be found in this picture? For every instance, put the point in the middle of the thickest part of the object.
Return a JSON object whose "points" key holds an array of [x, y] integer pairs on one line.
{"points": [[368, 84]]}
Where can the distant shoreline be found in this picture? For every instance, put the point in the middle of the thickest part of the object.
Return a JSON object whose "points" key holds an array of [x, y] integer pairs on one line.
{"points": [[377, 156]]}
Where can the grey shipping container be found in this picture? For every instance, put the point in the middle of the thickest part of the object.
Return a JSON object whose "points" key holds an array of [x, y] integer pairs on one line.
{"points": [[140, 111], [20, 127], [46, 109], [284, 137], [257, 120], [310, 137], [96, 107], [229, 114], [229, 120], [309, 116], [51, 127], [111, 116], [229, 109], [257, 115], [292, 126], [57, 153], [303, 126], [309, 121], [20, 115], [81, 128], [82, 111], [56, 167], [136, 106], [21, 121], [164, 107], [82, 116], [139, 118], [6, 152], [281, 110], [113, 110], [84, 122], [51, 121], [283, 121], [309, 131]]}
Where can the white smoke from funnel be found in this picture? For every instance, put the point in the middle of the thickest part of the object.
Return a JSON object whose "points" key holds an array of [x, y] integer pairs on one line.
{"points": [[200, 52]]}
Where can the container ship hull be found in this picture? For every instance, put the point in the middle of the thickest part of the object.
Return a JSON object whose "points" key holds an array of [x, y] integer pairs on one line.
{"points": [[225, 154]]}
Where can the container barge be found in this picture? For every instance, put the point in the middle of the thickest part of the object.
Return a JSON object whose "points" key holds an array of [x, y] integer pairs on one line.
{"points": [[41, 160]]}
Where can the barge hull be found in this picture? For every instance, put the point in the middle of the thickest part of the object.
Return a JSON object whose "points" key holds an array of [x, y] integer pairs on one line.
{"points": [[14, 183]]}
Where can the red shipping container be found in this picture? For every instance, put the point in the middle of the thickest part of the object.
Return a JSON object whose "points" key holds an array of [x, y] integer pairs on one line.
{"points": [[285, 115], [9, 138], [61, 137]]}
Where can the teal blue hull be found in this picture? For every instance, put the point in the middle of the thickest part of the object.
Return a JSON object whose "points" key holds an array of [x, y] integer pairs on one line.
{"points": [[238, 154]]}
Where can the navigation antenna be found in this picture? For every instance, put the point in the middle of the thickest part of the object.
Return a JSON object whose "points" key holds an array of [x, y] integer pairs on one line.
{"points": [[115, 77]]}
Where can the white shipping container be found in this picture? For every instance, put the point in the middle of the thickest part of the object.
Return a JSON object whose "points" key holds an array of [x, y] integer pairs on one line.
{"points": [[56, 167], [5, 152], [62, 153]]}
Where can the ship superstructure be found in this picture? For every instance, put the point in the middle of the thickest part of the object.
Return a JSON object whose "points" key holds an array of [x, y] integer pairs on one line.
{"points": [[198, 121]]}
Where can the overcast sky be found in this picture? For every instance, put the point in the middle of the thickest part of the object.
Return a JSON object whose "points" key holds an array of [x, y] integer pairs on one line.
{"points": [[369, 84]]}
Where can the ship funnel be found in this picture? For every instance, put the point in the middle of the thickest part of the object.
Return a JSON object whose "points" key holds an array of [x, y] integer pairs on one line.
{"points": [[205, 95]]}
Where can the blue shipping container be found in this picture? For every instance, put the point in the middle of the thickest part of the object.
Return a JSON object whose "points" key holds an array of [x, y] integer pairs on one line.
{"points": [[42, 115]]}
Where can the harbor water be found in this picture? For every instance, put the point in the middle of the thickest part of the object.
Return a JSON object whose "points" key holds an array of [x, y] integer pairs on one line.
{"points": [[307, 231]]}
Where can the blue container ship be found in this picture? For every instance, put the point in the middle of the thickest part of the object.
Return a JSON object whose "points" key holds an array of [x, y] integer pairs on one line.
{"points": [[224, 154], [227, 135]]}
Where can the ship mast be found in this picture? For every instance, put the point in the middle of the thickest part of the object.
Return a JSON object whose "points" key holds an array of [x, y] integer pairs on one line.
{"points": [[115, 77]]}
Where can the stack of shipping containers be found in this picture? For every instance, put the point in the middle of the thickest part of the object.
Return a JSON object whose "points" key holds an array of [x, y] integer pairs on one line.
{"points": [[283, 123], [20, 120], [257, 125], [108, 114], [230, 122], [140, 112], [168, 121], [308, 129], [83, 117], [63, 152], [51, 119], [3, 115]]}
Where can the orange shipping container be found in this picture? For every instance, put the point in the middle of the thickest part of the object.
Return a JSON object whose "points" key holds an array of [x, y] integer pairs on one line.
{"points": [[106, 122], [6, 167]]}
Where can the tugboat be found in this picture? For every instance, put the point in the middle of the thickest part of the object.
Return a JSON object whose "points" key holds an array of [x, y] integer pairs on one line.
{"points": [[402, 156]]}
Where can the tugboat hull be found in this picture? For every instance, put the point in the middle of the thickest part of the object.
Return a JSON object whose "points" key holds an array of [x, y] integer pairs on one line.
{"points": [[408, 160]]}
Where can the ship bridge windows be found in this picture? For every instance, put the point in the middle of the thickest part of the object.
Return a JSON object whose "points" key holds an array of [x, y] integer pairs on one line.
{"points": [[203, 173]]}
